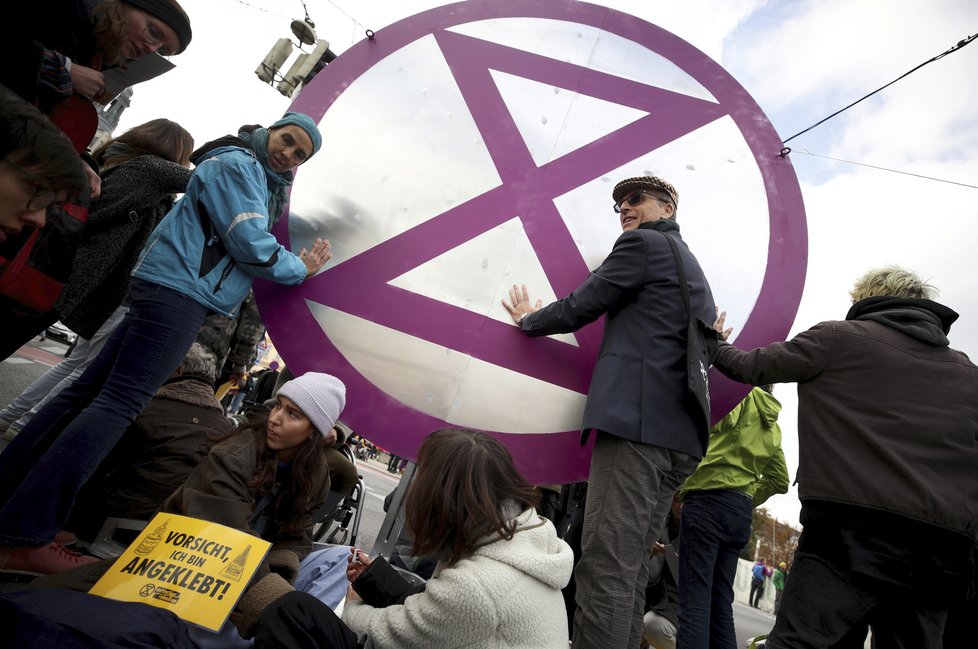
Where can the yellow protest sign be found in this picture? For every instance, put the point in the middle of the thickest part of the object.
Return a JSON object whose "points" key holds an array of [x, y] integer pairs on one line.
{"points": [[193, 568]]}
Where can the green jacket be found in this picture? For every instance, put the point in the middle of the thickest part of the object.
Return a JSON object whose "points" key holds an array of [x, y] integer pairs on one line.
{"points": [[745, 451], [779, 578]]}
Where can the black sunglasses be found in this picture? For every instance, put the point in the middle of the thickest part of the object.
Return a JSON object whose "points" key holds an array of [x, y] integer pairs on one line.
{"points": [[635, 198]]}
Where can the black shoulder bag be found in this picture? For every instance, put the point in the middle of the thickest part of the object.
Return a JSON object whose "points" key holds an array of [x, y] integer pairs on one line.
{"points": [[701, 344]]}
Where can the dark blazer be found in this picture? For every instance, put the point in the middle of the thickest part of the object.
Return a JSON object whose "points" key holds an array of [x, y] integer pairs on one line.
{"points": [[638, 388]]}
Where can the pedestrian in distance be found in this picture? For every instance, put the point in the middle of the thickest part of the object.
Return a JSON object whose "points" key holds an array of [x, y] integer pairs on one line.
{"points": [[778, 580], [758, 575]]}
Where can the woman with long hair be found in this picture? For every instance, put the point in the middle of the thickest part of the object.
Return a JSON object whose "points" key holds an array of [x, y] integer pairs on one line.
{"points": [[142, 171], [501, 565], [268, 477]]}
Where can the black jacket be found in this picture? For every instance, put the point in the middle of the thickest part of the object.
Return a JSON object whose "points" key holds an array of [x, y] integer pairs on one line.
{"points": [[887, 412], [136, 195]]}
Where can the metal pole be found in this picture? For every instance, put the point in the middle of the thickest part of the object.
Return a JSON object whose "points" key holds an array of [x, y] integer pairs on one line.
{"points": [[390, 529]]}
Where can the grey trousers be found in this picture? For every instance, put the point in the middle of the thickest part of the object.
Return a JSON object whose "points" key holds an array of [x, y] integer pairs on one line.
{"points": [[630, 490]]}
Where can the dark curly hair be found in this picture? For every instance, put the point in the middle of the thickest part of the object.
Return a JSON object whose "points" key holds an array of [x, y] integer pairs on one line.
{"points": [[296, 498]]}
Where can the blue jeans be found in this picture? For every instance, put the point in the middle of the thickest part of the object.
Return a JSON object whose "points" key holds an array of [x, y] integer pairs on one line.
{"points": [[59, 450], [714, 527]]}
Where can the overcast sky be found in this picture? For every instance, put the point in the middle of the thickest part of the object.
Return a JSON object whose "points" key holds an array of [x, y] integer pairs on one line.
{"points": [[800, 60]]}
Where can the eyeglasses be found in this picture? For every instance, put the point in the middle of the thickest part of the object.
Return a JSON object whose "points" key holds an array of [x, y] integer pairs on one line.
{"points": [[154, 38], [635, 198], [43, 198]]}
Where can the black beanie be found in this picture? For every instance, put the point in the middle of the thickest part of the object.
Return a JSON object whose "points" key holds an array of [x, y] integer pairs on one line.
{"points": [[172, 14]]}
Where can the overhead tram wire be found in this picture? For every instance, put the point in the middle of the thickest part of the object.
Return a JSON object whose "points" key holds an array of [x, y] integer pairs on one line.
{"points": [[896, 171], [960, 44], [356, 23], [345, 13], [257, 8]]}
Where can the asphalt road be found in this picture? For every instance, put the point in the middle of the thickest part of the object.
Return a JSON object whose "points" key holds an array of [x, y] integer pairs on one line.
{"points": [[29, 362], [378, 483], [750, 622]]}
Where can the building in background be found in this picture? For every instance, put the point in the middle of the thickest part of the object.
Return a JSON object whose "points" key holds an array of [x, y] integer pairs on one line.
{"points": [[108, 118]]}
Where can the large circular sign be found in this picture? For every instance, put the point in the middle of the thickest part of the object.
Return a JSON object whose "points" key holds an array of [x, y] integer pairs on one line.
{"points": [[475, 146]]}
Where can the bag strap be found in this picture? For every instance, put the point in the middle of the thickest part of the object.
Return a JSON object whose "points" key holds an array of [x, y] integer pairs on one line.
{"points": [[682, 273], [9, 272]]}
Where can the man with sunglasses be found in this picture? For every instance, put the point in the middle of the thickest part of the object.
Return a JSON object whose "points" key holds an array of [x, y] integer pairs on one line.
{"points": [[649, 433]]}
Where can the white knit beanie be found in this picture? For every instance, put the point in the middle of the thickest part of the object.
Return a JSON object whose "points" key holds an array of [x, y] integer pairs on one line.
{"points": [[320, 397]]}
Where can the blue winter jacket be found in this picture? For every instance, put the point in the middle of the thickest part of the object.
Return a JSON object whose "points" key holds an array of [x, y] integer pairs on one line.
{"points": [[215, 240]]}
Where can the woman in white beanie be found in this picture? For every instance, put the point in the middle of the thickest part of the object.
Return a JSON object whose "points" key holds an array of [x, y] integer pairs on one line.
{"points": [[267, 477]]}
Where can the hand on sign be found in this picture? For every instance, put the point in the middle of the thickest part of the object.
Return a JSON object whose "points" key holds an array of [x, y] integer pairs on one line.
{"points": [[314, 259], [718, 325], [519, 303]]}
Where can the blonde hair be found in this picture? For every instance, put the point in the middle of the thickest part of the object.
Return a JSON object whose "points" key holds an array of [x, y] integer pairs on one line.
{"points": [[892, 281]]}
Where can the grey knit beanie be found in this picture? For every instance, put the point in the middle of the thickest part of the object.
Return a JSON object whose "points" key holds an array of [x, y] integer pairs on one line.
{"points": [[320, 397]]}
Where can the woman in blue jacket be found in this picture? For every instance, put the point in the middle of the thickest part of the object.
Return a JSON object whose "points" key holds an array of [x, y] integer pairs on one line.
{"points": [[202, 257]]}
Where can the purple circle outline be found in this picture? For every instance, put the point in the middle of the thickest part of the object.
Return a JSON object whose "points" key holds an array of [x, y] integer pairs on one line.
{"points": [[554, 457]]}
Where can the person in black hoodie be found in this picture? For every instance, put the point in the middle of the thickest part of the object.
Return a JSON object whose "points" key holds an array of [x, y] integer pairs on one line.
{"points": [[887, 428]]}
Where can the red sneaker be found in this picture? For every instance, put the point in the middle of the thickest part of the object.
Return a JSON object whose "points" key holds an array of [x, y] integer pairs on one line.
{"points": [[42, 559]]}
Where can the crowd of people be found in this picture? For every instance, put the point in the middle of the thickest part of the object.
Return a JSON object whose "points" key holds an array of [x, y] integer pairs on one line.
{"points": [[129, 425]]}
